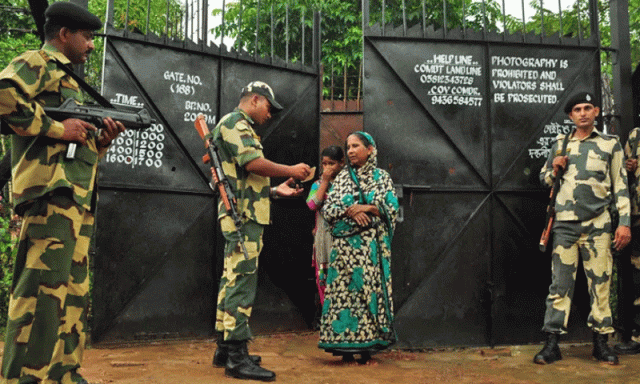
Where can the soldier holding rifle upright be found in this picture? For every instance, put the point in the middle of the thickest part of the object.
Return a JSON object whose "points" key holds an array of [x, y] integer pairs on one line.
{"points": [[594, 178], [55, 194], [629, 260], [248, 172]]}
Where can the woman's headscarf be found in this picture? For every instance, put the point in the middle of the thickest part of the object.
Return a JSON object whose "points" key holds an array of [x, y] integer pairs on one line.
{"points": [[369, 166]]}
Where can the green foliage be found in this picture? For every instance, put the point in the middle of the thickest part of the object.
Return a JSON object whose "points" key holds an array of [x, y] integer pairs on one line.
{"points": [[17, 29], [7, 257], [341, 39]]}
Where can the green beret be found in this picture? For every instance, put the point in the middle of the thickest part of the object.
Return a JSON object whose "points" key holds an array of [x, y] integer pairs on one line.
{"points": [[579, 98], [72, 16]]}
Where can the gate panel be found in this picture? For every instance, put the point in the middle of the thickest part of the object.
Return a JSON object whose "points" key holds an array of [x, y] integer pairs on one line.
{"points": [[464, 129], [441, 256], [404, 116], [158, 248]]}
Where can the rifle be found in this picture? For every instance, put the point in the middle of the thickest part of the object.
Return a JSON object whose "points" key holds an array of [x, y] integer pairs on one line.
{"points": [[551, 210], [95, 114], [220, 180]]}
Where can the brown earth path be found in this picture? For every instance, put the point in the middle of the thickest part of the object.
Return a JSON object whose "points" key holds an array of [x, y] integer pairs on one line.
{"points": [[296, 359]]}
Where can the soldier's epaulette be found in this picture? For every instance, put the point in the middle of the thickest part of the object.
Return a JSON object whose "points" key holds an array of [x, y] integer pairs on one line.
{"points": [[610, 136], [231, 119]]}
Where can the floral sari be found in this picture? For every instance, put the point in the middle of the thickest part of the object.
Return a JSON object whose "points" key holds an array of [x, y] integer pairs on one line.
{"points": [[357, 314]]}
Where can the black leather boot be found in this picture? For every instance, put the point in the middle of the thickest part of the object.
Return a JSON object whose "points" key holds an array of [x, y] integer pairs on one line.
{"points": [[601, 350], [550, 352], [240, 366], [629, 347], [222, 354]]}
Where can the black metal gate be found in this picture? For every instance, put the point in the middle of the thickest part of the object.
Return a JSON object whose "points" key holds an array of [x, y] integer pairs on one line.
{"points": [[158, 248], [464, 124]]}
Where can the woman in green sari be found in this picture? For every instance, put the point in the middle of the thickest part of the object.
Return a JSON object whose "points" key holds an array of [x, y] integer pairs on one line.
{"points": [[361, 209]]}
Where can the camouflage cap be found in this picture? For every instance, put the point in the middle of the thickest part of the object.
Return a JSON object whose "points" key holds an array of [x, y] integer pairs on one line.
{"points": [[579, 98], [262, 89], [72, 16]]}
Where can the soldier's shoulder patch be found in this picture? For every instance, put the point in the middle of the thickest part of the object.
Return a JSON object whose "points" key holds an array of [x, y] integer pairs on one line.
{"points": [[247, 140]]}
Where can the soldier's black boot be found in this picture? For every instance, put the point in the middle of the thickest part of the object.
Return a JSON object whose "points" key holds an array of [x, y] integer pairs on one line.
{"points": [[601, 350], [222, 354], [628, 347], [240, 366], [550, 352]]}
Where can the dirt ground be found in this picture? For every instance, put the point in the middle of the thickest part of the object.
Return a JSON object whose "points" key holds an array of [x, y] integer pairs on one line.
{"points": [[296, 359]]}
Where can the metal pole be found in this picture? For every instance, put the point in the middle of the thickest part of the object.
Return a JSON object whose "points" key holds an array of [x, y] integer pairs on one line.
{"points": [[205, 23], [444, 18], [126, 18], [384, 20], [541, 18], [166, 26], [579, 24], [272, 33], [286, 21], [593, 17], [504, 20], [464, 18], [315, 55], [622, 71], [240, 25], [424, 19], [146, 29], [109, 15], [560, 15], [404, 19], [524, 30], [255, 44], [222, 24], [484, 18], [302, 32]]}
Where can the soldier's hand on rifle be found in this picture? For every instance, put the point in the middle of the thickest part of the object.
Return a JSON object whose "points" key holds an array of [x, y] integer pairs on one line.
{"points": [[76, 130], [110, 131], [631, 164], [289, 189], [559, 162], [622, 237], [300, 171]]}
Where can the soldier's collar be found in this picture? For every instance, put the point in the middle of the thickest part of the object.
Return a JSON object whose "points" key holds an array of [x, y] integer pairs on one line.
{"points": [[249, 119], [594, 132], [54, 52]]}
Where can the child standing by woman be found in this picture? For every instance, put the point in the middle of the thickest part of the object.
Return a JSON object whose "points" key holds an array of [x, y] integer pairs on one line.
{"points": [[332, 163]]}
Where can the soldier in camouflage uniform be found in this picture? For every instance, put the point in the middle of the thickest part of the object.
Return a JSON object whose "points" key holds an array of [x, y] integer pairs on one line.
{"points": [[629, 261], [248, 172], [47, 319], [593, 180]]}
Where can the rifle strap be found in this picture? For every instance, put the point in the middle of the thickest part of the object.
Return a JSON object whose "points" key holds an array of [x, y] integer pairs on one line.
{"points": [[83, 84], [563, 152], [565, 142]]}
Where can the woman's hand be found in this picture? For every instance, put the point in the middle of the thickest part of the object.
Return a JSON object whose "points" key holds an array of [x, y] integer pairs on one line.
{"points": [[360, 213]]}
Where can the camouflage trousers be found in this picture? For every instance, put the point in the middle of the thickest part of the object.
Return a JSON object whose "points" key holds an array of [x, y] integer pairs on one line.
{"points": [[239, 279], [47, 320], [590, 240], [628, 264]]}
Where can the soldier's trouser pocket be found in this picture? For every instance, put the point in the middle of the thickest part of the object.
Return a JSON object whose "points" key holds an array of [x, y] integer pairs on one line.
{"points": [[46, 329]]}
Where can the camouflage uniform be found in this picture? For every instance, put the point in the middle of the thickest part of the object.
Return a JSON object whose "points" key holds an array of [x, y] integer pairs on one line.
{"points": [[594, 178], [45, 334], [239, 145], [631, 295]]}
